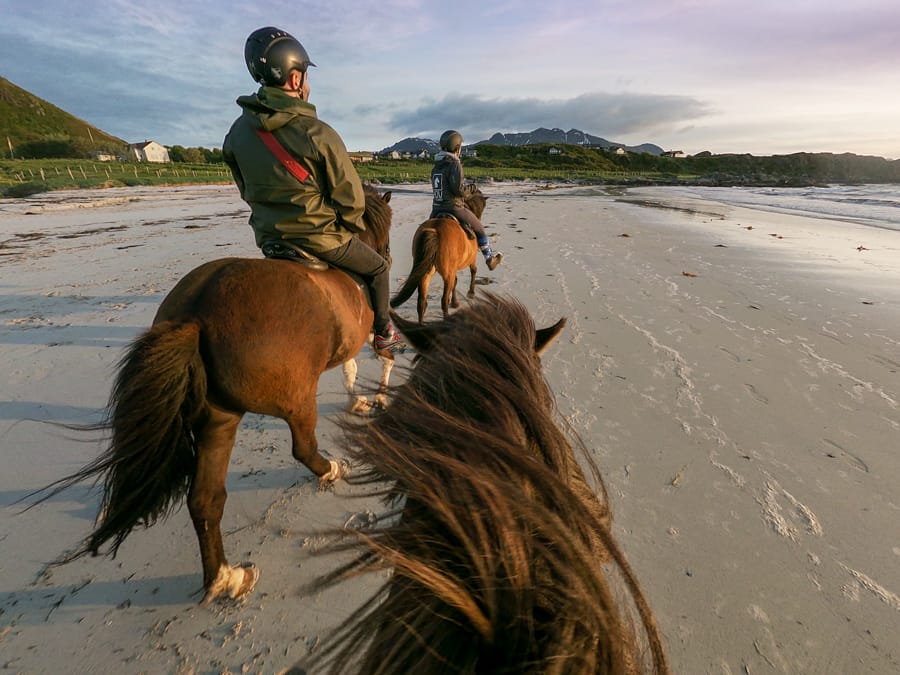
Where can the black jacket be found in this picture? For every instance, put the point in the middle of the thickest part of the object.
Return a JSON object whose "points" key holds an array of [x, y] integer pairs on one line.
{"points": [[447, 182]]}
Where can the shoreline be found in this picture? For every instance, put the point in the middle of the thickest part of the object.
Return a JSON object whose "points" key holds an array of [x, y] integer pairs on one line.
{"points": [[582, 181], [739, 394]]}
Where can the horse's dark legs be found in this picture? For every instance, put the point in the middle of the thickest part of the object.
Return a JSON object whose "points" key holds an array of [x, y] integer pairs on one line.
{"points": [[206, 503], [472, 270]]}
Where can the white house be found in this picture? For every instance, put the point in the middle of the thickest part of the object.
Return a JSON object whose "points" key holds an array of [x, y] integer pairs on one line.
{"points": [[148, 151], [673, 153]]}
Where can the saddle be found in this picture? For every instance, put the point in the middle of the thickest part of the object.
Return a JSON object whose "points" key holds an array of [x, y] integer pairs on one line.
{"points": [[470, 233], [288, 251]]}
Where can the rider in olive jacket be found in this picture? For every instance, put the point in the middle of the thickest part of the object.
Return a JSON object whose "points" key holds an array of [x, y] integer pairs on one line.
{"points": [[314, 218], [321, 212]]}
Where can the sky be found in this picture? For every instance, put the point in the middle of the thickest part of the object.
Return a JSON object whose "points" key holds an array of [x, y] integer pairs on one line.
{"points": [[745, 76]]}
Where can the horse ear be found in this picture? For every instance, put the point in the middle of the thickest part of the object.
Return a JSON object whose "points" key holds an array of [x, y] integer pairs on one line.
{"points": [[545, 336], [386, 197], [419, 336]]}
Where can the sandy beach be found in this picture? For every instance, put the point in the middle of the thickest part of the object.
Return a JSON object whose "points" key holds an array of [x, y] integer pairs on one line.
{"points": [[735, 372]]}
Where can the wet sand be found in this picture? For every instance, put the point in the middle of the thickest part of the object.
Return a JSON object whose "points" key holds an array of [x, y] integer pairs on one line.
{"points": [[735, 372]]}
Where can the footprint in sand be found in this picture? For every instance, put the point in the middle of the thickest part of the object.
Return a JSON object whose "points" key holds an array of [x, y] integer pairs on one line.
{"points": [[850, 458], [755, 394], [734, 356]]}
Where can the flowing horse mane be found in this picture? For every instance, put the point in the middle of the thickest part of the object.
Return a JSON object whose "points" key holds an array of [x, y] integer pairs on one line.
{"points": [[378, 216], [501, 554]]}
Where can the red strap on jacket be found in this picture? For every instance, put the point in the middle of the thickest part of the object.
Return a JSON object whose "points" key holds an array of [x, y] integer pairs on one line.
{"points": [[291, 164]]}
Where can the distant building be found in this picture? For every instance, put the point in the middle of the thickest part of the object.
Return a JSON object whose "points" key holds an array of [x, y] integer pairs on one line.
{"points": [[361, 156], [104, 156], [673, 153], [148, 151], [554, 151], [618, 150]]}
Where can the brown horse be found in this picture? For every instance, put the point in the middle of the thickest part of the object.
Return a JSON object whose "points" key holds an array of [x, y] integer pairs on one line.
{"points": [[235, 335], [502, 556], [442, 245]]}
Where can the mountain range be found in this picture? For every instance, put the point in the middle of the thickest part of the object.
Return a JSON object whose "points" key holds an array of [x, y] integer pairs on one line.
{"points": [[539, 135]]}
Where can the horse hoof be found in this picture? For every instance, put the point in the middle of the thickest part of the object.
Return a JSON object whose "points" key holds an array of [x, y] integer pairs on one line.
{"points": [[339, 469], [361, 407], [379, 405], [237, 581], [251, 576]]}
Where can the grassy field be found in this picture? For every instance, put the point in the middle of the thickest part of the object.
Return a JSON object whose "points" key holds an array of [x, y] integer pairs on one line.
{"points": [[22, 177], [406, 171]]}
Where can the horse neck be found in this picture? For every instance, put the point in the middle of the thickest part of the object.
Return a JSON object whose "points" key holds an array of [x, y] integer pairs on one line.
{"points": [[476, 203], [377, 219]]}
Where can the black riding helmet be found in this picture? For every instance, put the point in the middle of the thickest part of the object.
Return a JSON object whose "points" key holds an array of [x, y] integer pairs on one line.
{"points": [[451, 140], [271, 54]]}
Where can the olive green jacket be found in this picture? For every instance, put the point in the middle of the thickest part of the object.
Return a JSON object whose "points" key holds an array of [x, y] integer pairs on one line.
{"points": [[324, 211]]}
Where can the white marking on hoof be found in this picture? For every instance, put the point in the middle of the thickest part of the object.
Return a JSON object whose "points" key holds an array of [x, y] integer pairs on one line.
{"points": [[380, 403], [236, 581], [339, 469], [332, 475], [361, 407]]}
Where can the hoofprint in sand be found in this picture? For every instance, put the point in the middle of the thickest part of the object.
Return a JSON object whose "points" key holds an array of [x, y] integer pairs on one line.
{"points": [[735, 372]]}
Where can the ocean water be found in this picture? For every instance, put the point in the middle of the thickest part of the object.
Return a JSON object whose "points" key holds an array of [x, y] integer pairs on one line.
{"points": [[874, 205]]}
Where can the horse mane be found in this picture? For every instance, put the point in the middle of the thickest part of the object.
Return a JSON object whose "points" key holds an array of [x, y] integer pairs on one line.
{"points": [[378, 214], [476, 201], [494, 541]]}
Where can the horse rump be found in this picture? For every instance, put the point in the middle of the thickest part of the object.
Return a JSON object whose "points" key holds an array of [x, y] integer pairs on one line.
{"points": [[425, 252]]}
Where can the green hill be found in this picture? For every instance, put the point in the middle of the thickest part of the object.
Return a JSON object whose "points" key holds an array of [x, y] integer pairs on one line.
{"points": [[36, 129]]}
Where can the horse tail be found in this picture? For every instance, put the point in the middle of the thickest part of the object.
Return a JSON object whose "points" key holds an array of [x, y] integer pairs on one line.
{"points": [[158, 395], [425, 254]]}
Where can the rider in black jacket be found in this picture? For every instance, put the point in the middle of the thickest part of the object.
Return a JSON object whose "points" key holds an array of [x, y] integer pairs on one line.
{"points": [[450, 189]]}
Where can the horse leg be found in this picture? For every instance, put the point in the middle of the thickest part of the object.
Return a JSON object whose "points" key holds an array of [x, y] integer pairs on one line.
{"points": [[387, 364], [206, 503], [472, 270], [304, 445], [422, 302], [358, 403], [449, 290]]}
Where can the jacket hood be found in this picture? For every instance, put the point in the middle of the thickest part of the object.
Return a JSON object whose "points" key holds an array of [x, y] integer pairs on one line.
{"points": [[270, 108], [443, 154]]}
